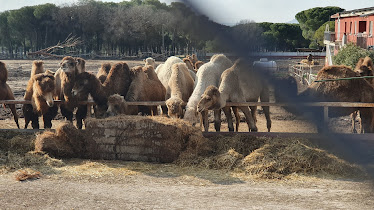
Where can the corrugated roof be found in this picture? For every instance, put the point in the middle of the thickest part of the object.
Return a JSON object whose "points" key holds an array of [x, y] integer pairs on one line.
{"points": [[356, 12]]}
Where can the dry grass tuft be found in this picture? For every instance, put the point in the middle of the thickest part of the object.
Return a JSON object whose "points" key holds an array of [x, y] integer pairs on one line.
{"points": [[27, 174]]}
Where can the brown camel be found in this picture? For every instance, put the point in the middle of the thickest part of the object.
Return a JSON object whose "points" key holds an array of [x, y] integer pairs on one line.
{"points": [[240, 83], [117, 82], [364, 67], [5, 91], [198, 64], [356, 90], [189, 64], [81, 65], [103, 72], [65, 78], [40, 91], [88, 84], [144, 89]]}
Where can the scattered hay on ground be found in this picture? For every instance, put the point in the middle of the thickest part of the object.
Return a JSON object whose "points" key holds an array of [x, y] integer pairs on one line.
{"points": [[271, 158], [27, 174]]}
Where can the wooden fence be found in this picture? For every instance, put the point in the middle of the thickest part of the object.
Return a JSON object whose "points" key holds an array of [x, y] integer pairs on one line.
{"points": [[304, 73], [325, 105]]}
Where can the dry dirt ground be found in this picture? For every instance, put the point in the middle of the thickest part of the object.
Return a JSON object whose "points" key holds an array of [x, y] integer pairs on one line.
{"points": [[83, 184]]}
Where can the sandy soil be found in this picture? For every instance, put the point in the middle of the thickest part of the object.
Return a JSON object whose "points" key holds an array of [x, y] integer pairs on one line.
{"points": [[161, 186]]}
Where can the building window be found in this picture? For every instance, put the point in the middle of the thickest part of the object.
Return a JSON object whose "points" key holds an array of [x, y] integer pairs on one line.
{"points": [[355, 32], [350, 29], [371, 28], [361, 26]]}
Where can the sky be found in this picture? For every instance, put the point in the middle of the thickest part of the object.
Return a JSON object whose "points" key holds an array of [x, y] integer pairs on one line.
{"points": [[230, 12]]}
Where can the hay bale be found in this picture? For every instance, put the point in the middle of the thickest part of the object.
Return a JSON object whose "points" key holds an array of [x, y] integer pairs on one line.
{"points": [[281, 157], [153, 139], [67, 141]]}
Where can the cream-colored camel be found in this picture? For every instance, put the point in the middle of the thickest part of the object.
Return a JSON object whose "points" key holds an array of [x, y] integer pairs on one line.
{"points": [[240, 83]]}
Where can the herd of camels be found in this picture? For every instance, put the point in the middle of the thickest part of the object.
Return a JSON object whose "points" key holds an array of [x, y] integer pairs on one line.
{"points": [[189, 87]]}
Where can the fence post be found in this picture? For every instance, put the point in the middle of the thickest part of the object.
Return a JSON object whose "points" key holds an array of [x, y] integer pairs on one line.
{"points": [[326, 114]]}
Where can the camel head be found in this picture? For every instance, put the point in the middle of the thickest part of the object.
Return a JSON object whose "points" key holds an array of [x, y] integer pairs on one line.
{"points": [[37, 64], [83, 84], [105, 67], [3, 72], [44, 87], [150, 61], [175, 107], [116, 105], [198, 64], [188, 62], [81, 65], [68, 64], [210, 100]]}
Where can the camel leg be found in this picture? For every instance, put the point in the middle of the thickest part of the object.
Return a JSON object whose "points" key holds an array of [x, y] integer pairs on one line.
{"points": [[248, 118], [80, 115], [164, 110], [353, 118], [366, 120], [254, 113], [228, 114], [237, 117], [12, 107], [48, 117], [217, 120], [265, 97], [204, 120], [35, 121], [66, 113], [267, 116], [154, 111]]}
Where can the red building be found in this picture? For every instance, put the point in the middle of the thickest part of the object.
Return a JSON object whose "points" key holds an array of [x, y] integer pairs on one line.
{"points": [[351, 26]]}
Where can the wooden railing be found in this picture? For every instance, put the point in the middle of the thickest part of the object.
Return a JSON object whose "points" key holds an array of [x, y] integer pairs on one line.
{"points": [[325, 105]]}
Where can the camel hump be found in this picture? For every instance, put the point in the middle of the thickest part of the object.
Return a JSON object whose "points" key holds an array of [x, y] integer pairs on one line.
{"points": [[3, 72], [333, 72]]}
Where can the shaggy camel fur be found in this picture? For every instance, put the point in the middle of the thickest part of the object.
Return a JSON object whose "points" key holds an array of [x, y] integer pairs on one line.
{"points": [[150, 61], [103, 72], [117, 105], [81, 65], [208, 74], [65, 78], [364, 67], [87, 83], [357, 90], [240, 83], [189, 64], [118, 79], [117, 82], [163, 72], [181, 85], [5, 91], [40, 91], [144, 89], [192, 58]]}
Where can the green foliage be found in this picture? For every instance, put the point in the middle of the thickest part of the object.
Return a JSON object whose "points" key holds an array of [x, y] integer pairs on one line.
{"points": [[310, 20], [282, 36], [319, 34], [350, 54]]}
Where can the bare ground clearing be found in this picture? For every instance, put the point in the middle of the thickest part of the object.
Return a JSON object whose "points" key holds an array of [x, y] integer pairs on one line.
{"points": [[84, 184]]}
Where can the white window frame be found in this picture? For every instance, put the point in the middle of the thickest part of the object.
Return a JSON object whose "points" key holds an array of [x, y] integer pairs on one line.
{"points": [[370, 28]]}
